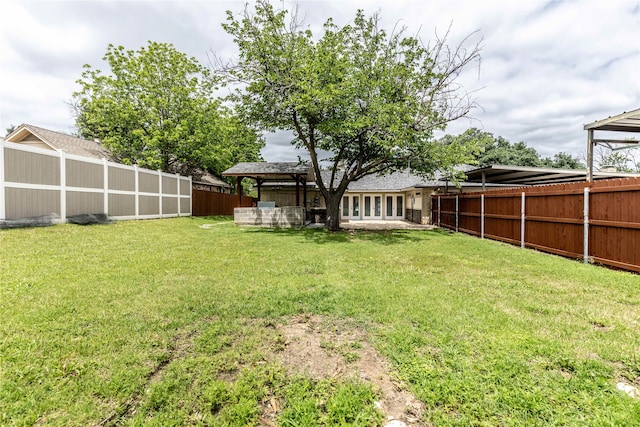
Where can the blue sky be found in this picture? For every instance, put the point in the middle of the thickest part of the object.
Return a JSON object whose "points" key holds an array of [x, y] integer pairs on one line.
{"points": [[548, 67]]}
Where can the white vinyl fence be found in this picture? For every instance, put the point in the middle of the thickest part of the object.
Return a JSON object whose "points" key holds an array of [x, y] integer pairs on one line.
{"points": [[36, 181]]}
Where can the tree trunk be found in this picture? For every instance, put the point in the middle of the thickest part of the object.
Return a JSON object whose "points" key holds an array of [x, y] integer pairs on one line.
{"points": [[333, 211]]}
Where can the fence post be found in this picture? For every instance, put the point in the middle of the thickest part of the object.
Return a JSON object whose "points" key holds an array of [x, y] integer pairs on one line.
{"points": [[63, 186], [482, 216], [522, 220], [136, 189], [439, 210], [105, 174], [585, 248], [457, 210], [159, 193], [3, 211], [178, 191]]}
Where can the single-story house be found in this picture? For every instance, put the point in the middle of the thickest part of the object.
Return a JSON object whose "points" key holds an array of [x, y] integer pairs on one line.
{"points": [[399, 195]]}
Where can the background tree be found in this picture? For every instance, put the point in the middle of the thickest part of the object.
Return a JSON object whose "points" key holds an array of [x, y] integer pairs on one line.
{"points": [[368, 98], [495, 150], [10, 129], [563, 160], [627, 160], [157, 109]]}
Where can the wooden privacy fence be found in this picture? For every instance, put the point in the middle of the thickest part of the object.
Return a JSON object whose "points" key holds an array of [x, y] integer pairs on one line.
{"points": [[36, 181], [207, 203], [598, 222]]}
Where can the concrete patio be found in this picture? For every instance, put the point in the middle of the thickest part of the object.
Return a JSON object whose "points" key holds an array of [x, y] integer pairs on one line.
{"points": [[383, 225]]}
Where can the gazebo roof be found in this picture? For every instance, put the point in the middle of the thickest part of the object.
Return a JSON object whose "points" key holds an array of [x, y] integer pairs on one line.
{"points": [[273, 171]]}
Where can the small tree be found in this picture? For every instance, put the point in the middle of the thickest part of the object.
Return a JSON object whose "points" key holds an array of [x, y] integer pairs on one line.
{"points": [[157, 109], [369, 98]]}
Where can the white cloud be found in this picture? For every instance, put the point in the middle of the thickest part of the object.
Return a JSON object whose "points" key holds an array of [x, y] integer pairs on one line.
{"points": [[547, 67]]}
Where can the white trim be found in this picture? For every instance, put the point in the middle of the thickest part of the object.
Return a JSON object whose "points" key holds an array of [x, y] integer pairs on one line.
{"points": [[394, 206], [83, 159], [136, 188], [105, 179], [178, 191], [372, 207], [31, 149], [160, 193], [63, 186], [132, 217], [28, 186], [127, 167], [84, 190], [2, 195]]}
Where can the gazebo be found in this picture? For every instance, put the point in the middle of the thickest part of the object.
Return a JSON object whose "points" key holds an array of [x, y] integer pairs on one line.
{"points": [[268, 214]]}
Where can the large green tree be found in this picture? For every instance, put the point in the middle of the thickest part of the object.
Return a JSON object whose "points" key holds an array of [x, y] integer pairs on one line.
{"points": [[156, 108], [496, 150], [369, 98]]}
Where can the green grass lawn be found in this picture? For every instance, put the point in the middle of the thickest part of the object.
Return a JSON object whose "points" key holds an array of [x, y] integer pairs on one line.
{"points": [[163, 322]]}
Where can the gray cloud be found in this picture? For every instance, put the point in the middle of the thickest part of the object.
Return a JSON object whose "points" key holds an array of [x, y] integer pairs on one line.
{"points": [[547, 67]]}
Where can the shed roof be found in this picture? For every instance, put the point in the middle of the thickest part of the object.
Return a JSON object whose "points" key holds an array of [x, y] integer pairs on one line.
{"points": [[60, 141], [522, 175]]}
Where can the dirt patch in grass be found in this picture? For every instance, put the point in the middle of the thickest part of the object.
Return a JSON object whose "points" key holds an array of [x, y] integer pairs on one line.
{"points": [[326, 348]]}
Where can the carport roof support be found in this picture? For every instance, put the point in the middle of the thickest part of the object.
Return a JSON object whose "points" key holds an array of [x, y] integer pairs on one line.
{"points": [[625, 122]]}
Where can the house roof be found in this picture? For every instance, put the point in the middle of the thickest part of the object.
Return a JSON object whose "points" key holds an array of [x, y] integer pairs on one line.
{"points": [[396, 181], [277, 171], [213, 180], [59, 141], [521, 175]]}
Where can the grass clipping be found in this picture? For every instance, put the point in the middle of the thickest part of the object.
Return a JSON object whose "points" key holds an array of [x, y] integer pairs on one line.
{"points": [[323, 348]]}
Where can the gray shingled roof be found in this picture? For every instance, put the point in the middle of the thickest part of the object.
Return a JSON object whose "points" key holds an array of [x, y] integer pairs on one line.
{"points": [[67, 143], [395, 181], [280, 173], [209, 179]]}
